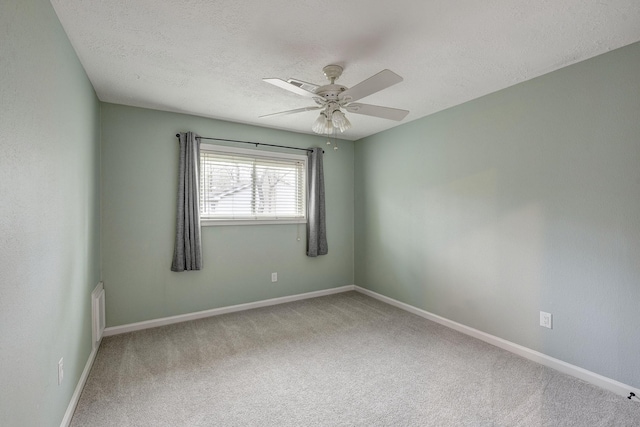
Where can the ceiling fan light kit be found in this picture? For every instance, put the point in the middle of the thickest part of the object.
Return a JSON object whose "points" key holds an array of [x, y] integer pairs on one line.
{"points": [[340, 121], [322, 125], [332, 98]]}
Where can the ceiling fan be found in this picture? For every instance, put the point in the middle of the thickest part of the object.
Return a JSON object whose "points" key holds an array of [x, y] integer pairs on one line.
{"points": [[331, 99]]}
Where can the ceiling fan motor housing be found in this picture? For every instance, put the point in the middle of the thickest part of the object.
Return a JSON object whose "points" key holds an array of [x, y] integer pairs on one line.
{"points": [[330, 92]]}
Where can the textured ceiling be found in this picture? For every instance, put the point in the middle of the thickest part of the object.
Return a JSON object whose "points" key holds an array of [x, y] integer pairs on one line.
{"points": [[208, 57]]}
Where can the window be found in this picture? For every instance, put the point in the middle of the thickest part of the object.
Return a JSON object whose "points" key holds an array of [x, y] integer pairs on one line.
{"points": [[240, 186]]}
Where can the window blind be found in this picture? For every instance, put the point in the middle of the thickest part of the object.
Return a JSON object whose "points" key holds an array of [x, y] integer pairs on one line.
{"points": [[240, 185]]}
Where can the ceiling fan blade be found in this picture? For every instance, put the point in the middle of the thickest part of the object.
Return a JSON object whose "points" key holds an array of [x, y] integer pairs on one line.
{"points": [[297, 110], [377, 111], [291, 87], [310, 87], [373, 84]]}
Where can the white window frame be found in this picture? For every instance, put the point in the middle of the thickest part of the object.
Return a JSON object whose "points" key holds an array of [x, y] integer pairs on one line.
{"points": [[256, 153]]}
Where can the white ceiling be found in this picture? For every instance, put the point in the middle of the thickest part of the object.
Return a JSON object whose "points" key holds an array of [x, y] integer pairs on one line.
{"points": [[208, 57]]}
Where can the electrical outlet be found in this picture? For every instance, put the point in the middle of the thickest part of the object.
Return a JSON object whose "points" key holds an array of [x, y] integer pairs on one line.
{"points": [[60, 370], [545, 320], [274, 277]]}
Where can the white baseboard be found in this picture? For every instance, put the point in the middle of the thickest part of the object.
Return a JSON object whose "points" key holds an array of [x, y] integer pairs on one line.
{"points": [[66, 420], [115, 330], [535, 356], [541, 358]]}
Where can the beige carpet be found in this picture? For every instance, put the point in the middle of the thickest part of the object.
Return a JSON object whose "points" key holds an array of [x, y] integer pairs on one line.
{"points": [[340, 360]]}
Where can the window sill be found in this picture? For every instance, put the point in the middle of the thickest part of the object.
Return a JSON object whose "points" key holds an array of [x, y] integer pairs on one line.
{"points": [[217, 222]]}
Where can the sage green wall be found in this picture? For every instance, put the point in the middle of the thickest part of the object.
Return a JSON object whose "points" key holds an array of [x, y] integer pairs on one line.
{"points": [[524, 200], [139, 187], [49, 214]]}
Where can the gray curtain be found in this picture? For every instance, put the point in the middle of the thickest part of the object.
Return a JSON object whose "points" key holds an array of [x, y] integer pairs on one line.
{"points": [[187, 254], [316, 225]]}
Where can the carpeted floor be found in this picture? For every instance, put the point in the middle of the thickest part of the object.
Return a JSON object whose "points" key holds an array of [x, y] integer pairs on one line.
{"points": [[340, 360]]}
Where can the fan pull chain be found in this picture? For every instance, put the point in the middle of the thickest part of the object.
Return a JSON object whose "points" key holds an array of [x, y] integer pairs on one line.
{"points": [[335, 139]]}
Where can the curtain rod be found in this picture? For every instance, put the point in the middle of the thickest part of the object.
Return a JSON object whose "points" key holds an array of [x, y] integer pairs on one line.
{"points": [[252, 143]]}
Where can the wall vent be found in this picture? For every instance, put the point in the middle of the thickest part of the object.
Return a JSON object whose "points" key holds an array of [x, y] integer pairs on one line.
{"points": [[97, 314]]}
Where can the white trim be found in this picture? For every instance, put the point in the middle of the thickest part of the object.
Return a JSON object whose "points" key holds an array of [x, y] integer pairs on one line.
{"points": [[207, 146], [567, 368], [115, 330], [250, 153], [206, 222], [541, 358], [66, 420]]}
